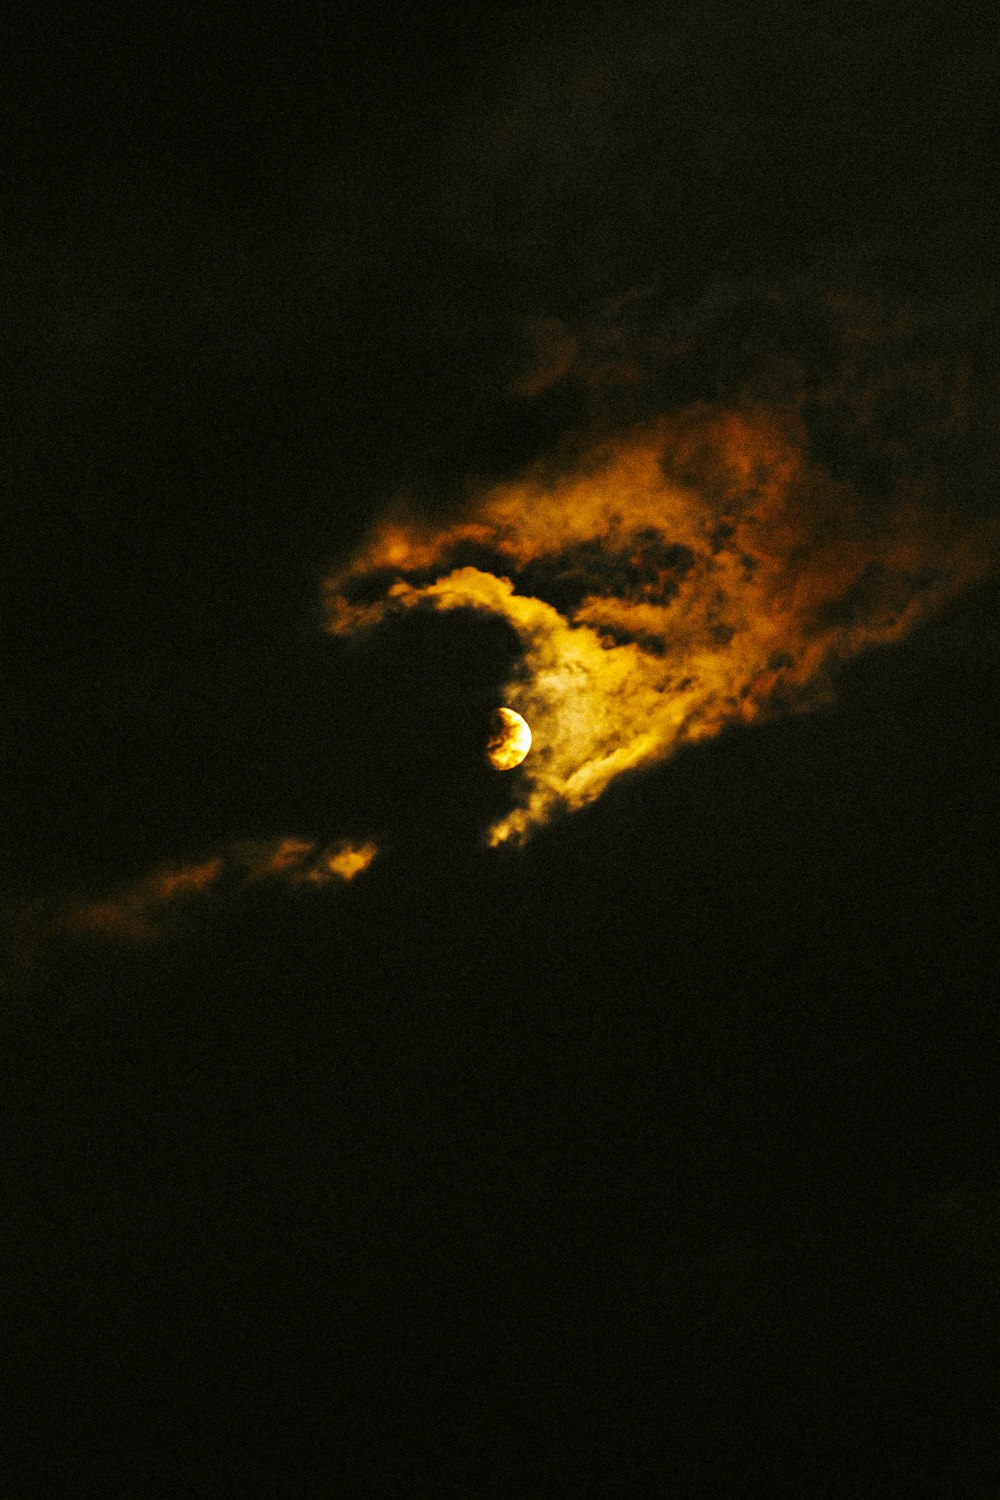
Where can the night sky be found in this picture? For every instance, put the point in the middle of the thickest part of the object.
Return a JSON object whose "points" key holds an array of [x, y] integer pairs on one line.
{"points": [[658, 1156]]}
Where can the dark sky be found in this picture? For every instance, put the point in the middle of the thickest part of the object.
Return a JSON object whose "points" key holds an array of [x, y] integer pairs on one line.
{"points": [[660, 1156]]}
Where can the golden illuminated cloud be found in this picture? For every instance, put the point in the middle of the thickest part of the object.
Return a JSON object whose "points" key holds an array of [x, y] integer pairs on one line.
{"points": [[692, 571], [301, 861], [135, 912], [341, 862], [138, 913], [668, 569], [131, 914]]}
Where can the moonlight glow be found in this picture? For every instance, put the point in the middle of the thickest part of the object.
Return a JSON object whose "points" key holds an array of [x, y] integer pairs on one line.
{"points": [[694, 571], [509, 741]]}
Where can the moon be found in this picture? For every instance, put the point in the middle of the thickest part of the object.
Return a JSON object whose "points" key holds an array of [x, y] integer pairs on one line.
{"points": [[509, 741]]}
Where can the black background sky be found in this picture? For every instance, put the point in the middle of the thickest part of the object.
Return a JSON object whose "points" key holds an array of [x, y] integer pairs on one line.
{"points": [[660, 1157]]}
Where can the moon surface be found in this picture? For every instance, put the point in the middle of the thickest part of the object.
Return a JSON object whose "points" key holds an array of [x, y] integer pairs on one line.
{"points": [[509, 741]]}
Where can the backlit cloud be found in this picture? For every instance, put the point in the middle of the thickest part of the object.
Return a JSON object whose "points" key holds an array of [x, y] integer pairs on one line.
{"points": [[683, 573]]}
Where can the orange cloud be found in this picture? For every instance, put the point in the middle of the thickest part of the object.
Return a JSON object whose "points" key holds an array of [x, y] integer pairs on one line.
{"points": [[130, 915], [138, 914], [301, 861], [693, 571], [341, 862]]}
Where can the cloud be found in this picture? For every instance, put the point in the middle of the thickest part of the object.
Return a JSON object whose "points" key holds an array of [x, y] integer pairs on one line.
{"points": [[137, 913], [134, 913], [301, 861], [141, 912], [675, 568]]}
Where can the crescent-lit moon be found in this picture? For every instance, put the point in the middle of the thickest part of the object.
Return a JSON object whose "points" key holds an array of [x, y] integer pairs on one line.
{"points": [[509, 741]]}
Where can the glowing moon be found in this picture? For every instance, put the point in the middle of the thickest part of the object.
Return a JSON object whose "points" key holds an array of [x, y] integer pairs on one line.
{"points": [[509, 741]]}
